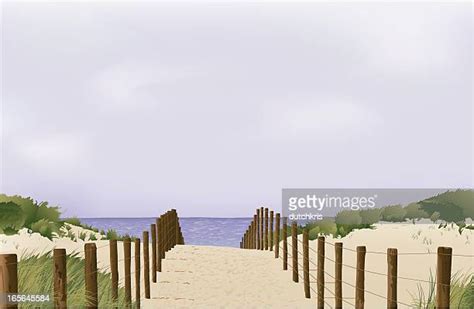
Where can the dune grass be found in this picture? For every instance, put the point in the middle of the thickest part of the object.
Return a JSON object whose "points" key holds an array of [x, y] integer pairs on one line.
{"points": [[461, 294], [35, 276]]}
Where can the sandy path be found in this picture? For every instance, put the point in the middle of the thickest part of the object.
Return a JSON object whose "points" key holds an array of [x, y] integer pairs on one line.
{"points": [[219, 277]]}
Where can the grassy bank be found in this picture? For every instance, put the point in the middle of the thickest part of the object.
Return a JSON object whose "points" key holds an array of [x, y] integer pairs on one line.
{"points": [[36, 277]]}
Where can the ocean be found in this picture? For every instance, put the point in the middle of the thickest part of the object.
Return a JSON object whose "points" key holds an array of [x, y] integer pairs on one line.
{"points": [[225, 232]]}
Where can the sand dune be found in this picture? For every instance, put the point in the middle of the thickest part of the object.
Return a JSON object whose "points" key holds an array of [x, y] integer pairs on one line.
{"points": [[219, 277]]}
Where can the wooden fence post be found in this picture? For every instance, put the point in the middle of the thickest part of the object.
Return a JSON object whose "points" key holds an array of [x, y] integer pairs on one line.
{"points": [[153, 252], [8, 278], [265, 240], [127, 252], [146, 263], [338, 275], [271, 231], [257, 241], [294, 250], [392, 278], [307, 292], [114, 268], [60, 278], [321, 256], [137, 272], [254, 232], [443, 277], [285, 245], [277, 236], [360, 278], [262, 236], [161, 231], [159, 236], [90, 250]]}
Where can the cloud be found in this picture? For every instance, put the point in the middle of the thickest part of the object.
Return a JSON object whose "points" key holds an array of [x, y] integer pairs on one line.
{"points": [[58, 152], [322, 119], [128, 84]]}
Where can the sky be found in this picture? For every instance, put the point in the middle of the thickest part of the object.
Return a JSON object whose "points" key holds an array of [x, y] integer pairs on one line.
{"points": [[114, 109]]}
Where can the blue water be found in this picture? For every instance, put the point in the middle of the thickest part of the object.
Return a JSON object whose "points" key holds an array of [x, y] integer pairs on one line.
{"points": [[225, 232]]}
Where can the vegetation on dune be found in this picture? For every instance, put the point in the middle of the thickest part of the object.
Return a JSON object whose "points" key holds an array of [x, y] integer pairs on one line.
{"points": [[451, 206], [35, 276], [18, 212], [461, 293]]}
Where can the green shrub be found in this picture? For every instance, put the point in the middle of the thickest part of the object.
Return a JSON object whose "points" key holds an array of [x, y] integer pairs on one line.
{"points": [[415, 212], [82, 236], [11, 218], [73, 221], [348, 217], [111, 234], [92, 237], [45, 228], [370, 216], [313, 233], [394, 213]]}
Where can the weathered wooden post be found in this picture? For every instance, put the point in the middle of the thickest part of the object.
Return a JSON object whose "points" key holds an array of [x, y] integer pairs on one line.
{"points": [[360, 278], [307, 292], [443, 277], [321, 256], [146, 263], [294, 250], [160, 239], [258, 229], [137, 272], [8, 279], [154, 261], [277, 236], [271, 231], [60, 278], [392, 278], [254, 234], [262, 235], [265, 240], [114, 268], [285, 245], [127, 252], [92, 300], [338, 275]]}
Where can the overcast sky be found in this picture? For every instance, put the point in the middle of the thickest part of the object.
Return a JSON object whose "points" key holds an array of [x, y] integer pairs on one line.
{"points": [[127, 109]]}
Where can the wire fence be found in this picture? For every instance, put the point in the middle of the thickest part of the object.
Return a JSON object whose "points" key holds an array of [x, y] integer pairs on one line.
{"points": [[166, 234], [252, 239]]}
